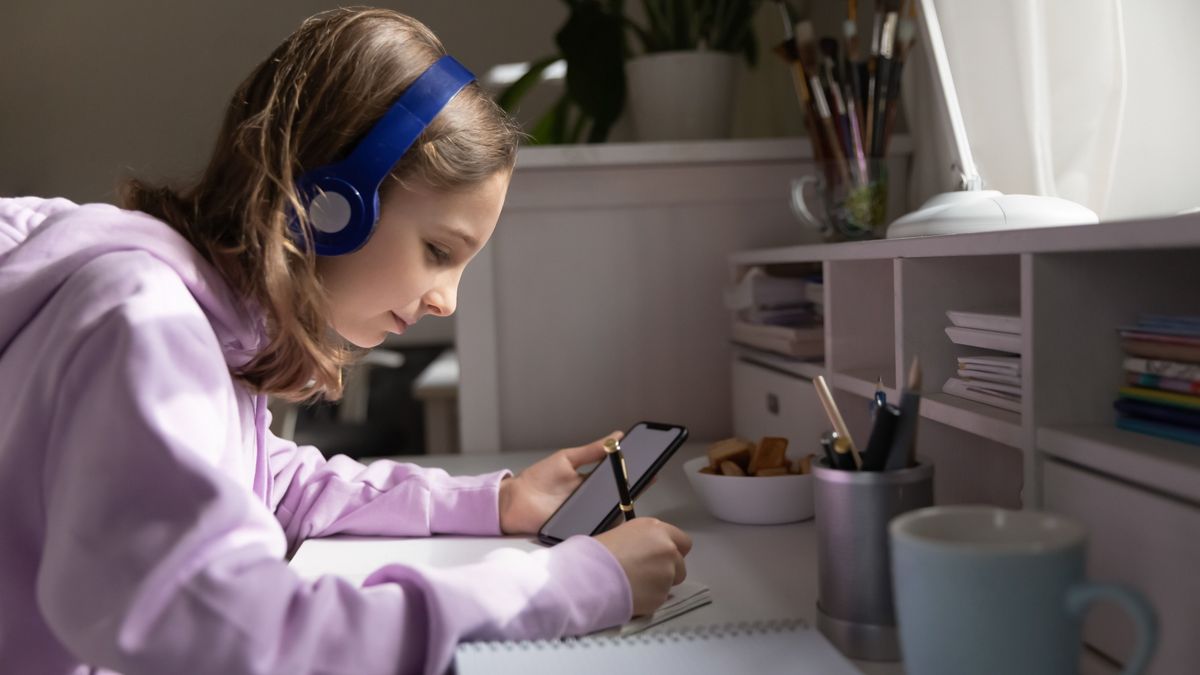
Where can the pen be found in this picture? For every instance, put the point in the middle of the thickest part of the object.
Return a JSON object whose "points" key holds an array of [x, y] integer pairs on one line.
{"points": [[841, 457], [842, 441], [883, 429], [904, 440], [621, 474], [827, 447]]}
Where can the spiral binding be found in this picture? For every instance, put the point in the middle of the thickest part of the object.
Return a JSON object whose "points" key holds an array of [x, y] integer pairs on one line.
{"points": [[692, 634]]}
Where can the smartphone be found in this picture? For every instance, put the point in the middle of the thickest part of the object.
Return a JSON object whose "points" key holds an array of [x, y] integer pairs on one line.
{"points": [[593, 506]]}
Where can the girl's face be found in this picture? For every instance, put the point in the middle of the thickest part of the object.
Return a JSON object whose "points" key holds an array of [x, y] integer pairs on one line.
{"points": [[413, 261]]}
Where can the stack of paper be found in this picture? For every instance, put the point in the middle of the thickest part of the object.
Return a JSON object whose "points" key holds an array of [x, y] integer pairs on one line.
{"points": [[782, 314], [1163, 377], [993, 380]]}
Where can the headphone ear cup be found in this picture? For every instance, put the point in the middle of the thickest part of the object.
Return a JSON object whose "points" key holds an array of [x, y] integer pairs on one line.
{"points": [[341, 222]]}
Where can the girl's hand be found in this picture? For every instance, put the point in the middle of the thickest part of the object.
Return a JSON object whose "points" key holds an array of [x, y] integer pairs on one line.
{"points": [[532, 496], [651, 552]]}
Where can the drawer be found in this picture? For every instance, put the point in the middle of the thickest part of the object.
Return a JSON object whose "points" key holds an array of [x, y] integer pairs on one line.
{"points": [[767, 402], [1147, 541]]}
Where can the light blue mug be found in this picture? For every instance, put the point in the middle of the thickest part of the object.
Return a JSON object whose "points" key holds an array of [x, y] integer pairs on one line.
{"points": [[983, 590]]}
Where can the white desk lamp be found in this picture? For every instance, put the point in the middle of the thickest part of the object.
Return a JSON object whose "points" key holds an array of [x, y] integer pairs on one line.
{"points": [[973, 209]]}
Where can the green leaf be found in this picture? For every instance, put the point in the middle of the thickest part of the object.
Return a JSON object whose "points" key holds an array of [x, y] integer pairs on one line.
{"points": [[592, 42], [545, 130], [511, 97]]}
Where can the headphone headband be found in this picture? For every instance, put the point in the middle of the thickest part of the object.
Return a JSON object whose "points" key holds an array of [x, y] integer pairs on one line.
{"points": [[342, 199]]}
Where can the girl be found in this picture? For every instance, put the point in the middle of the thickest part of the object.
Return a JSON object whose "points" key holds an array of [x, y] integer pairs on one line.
{"points": [[148, 508]]}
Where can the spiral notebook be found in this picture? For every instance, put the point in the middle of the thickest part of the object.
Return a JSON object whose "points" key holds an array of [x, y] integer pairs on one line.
{"points": [[761, 647]]}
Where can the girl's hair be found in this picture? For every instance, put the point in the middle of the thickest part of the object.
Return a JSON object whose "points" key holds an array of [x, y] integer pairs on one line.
{"points": [[306, 106]]}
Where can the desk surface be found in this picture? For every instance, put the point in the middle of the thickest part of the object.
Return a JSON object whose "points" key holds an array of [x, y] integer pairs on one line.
{"points": [[781, 559]]}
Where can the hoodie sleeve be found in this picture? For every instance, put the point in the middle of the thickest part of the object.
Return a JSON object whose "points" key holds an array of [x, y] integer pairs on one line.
{"points": [[315, 498], [19, 216], [155, 560]]}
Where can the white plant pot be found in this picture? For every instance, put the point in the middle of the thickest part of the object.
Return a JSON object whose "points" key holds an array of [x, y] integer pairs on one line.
{"points": [[681, 95]]}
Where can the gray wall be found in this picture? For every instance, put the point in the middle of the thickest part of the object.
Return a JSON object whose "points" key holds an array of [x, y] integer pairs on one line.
{"points": [[93, 91]]}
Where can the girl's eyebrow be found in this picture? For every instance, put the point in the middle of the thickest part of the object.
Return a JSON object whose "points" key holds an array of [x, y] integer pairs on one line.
{"points": [[461, 234]]}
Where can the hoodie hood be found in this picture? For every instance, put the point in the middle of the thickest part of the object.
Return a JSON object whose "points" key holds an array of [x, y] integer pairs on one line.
{"points": [[44, 241]]}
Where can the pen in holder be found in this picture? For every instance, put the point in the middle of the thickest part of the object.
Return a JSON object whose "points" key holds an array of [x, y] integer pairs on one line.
{"points": [[855, 608]]}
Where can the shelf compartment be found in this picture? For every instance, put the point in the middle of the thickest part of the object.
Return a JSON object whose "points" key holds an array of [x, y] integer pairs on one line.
{"points": [[1158, 463], [928, 288], [1077, 302], [860, 326]]}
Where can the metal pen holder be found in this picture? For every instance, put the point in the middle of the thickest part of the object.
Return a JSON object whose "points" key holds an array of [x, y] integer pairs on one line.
{"points": [[855, 608]]}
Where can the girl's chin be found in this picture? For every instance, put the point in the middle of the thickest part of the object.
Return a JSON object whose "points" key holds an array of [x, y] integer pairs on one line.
{"points": [[365, 339]]}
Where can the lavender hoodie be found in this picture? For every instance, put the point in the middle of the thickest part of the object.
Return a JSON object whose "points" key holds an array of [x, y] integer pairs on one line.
{"points": [[147, 508]]}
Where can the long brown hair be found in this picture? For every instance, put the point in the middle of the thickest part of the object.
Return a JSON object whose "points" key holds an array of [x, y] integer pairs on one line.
{"points": [[306, 106]]}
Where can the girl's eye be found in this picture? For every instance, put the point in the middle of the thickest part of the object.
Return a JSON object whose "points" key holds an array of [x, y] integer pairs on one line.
{"points": [[438, 254]]}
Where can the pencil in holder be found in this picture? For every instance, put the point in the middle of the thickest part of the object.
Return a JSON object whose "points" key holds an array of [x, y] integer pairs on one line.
{"points": [[855, 607]]}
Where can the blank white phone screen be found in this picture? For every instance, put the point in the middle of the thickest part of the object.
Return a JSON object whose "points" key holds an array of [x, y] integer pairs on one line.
{"points": [[587, 507]]}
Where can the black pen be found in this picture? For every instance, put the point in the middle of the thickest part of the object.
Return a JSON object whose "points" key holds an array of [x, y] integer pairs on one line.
{"points": [[621, 474], [902, 452], [883, 429]]}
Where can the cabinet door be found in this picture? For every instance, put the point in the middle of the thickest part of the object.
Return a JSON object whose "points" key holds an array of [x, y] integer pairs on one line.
{"points": [[1147, 541], [767, 402]]}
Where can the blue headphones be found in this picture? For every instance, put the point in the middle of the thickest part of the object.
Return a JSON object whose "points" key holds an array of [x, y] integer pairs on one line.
{"points": [[342, 199]]}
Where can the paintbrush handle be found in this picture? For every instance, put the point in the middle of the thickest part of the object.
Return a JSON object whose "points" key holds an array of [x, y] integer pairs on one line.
{"points": [[869, 113], [883, 78], [893, 104], [839, 157]]}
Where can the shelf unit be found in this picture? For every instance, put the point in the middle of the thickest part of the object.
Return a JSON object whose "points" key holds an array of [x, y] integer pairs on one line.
{"points": [[1073, 287]]}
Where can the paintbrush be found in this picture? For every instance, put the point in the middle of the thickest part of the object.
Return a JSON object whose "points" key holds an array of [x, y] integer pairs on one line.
{"points": [[904, 439], [788, 52], [883, 72], [833, 82], [807, 51], [872, 63], [850, 38], [905, 35]]}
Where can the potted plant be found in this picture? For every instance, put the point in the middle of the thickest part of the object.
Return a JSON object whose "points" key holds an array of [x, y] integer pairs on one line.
{"points": [[680, 85]]}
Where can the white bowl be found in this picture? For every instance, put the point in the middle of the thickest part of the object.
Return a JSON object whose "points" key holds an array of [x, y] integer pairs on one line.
{"points": [[752, 500]]}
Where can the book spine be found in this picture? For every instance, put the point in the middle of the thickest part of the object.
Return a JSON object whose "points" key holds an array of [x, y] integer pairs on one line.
{"points": [[1182, 371], [1161, 430], [1164, 383], [1159, 413], [1161, 350], [1160, 397]]}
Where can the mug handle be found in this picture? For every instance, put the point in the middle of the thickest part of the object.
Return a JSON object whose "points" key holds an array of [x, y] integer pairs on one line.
{"points": [[800, 201], [1082, 595]]}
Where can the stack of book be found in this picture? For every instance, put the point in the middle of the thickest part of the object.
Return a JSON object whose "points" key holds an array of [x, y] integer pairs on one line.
{"points": [[781, 314], [992, 380], [1162, 392]]}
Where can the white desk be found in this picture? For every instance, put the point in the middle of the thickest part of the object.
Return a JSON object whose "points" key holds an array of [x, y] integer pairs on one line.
{"points": [[780, 561]]}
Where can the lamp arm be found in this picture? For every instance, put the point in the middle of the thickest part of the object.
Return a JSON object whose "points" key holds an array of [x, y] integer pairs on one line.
{"points": [[944, 81]]}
